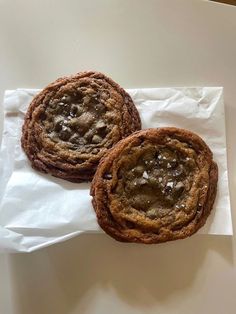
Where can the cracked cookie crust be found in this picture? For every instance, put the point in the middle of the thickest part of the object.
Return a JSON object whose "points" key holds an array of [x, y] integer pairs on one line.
{"points": [[72, 123], [154, 186]]}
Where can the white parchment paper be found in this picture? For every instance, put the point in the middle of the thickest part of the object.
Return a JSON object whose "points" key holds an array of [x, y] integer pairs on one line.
{"points": [[37, 210]]}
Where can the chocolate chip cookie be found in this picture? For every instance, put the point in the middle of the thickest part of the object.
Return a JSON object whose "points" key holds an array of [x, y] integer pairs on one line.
{"points": [[74, 121], [154, 186]]}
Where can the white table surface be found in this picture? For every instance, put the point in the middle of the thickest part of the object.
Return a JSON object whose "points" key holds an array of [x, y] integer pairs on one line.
{"points": [[139, 44]]}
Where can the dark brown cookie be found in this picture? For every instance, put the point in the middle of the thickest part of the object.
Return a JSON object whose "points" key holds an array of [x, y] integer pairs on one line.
{"points": [[154, 186], [72, 123]]}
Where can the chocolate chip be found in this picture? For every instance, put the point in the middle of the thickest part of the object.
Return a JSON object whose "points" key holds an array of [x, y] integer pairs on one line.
{"points": [[100, 108], [54, 136], [73, 110], [152, 213], [88, 135], [100, 125], [86, 100], [58, 123], [179, 187], [63, 108], [85, 120], [95, 150], [142, 201], [58, 126], [153, 181], [179, 171], [73, 123], [138, 170], [52, 104], [66, 98], [167, 189], [65, 133], [79, 110], [43, 116], [76, 139], [140, 181], [107, 176], [96, 139]]}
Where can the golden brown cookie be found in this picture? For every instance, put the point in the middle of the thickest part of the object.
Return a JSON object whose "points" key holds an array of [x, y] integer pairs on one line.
{"points": [[72, 123], [154, 186]]}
